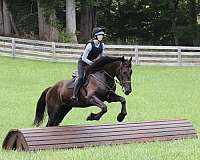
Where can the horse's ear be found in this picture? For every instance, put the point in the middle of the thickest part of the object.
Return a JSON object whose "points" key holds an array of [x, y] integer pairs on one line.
{"points": [[130, 60], [123, 59]]}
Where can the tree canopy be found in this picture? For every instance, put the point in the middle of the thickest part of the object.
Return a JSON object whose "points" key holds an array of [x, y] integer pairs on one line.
{"points": [[144, 22]]}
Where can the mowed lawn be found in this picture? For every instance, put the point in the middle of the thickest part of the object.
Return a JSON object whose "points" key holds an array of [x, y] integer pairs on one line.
{"points": [[159, 92]]}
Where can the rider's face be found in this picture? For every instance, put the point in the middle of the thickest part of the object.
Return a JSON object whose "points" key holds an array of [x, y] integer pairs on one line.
{"points": [[100, 37]]}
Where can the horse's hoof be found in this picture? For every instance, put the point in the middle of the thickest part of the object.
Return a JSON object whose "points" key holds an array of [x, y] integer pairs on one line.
{"points": [[121, 117], [91, 117]]}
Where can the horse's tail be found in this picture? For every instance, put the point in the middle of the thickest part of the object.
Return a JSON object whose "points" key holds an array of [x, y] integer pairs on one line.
{"points": [[40, 109]]}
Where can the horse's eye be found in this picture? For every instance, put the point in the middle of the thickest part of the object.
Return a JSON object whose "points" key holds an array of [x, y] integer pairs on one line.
{"points": [[124, 72]]}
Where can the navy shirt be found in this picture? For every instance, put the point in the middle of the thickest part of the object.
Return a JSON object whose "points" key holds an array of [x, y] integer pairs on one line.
{"points": [[85, 56]]}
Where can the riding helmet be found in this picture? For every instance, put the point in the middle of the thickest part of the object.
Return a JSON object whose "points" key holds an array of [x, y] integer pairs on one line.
{"points": [[98, 31]]}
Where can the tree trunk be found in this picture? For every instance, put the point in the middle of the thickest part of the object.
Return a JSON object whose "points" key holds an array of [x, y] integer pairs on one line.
{"points": [[71, 20], [47, 24], [88, 20], [6, 20], [173, 4], [1, 18], [7, 24], [194, 23]]}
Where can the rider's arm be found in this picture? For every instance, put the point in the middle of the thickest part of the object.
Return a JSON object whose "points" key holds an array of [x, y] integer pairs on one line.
{"points": [[102, 53], [87, 50]]}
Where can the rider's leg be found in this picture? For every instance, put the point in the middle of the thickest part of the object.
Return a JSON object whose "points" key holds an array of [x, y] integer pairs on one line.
{"points": [[77, 86], [79, 81]]}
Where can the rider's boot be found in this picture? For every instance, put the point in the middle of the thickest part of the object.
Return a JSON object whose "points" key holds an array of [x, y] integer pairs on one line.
{"points": [[77, 86]]}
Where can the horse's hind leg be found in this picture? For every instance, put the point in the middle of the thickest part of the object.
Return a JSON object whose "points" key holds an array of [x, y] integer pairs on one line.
{"points": [[97, 102], [59, 115], [51, 111]]}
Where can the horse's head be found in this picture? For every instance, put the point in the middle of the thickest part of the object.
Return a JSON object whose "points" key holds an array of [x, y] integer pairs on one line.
{"points": [[123, 74], [115, 66]]}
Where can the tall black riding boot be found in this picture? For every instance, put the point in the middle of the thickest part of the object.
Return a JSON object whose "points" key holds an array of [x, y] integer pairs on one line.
{"points": [[77, 86]]}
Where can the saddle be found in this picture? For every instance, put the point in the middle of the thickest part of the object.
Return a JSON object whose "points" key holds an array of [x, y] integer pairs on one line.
{"points": [[74, 77]]}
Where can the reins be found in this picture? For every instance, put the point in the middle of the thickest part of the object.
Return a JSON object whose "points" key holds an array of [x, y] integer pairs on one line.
{"points": [[102, 82]]}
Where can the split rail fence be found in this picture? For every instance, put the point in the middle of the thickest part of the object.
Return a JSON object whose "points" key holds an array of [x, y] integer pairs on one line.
{"points": [[68, 52]]}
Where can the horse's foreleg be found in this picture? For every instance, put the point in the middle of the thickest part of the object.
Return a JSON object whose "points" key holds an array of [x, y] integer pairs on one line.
{"points": [[97, 102], [113, 97]]}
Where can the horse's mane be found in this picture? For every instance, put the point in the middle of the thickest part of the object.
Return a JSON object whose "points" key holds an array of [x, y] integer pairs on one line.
{"points": [[101, 62]]}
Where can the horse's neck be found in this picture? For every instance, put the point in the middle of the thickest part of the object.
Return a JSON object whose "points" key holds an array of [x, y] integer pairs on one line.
{"points": [[112, 68]]}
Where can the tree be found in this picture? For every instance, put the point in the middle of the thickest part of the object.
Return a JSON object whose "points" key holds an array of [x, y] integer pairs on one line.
{"points": [[193, 21], [88, 19], [146, 22], [173, 4], [47, 21], [7, 24], [71, 20]]}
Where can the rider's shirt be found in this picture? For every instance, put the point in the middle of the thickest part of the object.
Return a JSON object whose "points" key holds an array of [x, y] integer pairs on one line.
{"points": [[92, 51]]}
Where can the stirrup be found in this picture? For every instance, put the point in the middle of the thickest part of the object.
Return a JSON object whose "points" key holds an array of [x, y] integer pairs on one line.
{"points": [[74, 99]]}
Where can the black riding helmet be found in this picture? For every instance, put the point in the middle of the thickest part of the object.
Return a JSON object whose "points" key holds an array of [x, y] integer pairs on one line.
{"points": [[98, 31]]}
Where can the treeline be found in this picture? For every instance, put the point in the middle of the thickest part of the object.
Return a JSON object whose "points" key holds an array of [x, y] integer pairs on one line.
{"points": [[147, 22]]}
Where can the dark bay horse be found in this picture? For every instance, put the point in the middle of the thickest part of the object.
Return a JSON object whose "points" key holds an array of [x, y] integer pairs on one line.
{"points": [[99, 86]]}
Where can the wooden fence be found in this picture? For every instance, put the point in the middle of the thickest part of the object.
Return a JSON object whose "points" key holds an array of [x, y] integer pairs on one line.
{"points": [[67, 52]]}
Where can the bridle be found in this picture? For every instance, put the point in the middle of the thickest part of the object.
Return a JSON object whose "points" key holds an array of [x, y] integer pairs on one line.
{"points": [[121, 82]]}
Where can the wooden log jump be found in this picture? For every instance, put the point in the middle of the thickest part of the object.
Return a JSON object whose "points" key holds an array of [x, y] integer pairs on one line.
{"points": [[77, 136]]}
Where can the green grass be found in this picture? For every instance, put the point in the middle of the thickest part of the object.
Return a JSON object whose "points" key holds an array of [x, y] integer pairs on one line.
{"points": [[158, 93]]}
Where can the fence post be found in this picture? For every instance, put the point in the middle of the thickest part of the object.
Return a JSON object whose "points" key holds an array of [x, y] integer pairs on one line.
{"points": [[53, 51], [179, 56], [136, 55], [13, 48]]}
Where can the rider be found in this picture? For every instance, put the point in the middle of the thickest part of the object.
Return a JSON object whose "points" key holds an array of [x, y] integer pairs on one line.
{"points": [[93, 49]]}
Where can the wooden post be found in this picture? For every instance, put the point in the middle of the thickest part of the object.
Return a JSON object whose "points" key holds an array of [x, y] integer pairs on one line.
{"points": [[136, 55], [13, 48], [53, 51], [179, 56]]}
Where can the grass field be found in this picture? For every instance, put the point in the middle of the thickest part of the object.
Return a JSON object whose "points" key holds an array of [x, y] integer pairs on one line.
{"points": [[158, 93]]}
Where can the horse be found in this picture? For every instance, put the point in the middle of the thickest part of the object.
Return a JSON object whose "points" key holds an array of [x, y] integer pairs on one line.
{"points": [[99, 86]]}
